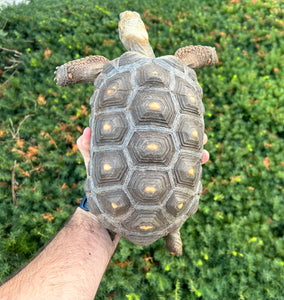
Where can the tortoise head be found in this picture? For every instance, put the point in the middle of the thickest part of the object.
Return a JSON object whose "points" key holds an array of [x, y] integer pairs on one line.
{"points": [[133, 34]]}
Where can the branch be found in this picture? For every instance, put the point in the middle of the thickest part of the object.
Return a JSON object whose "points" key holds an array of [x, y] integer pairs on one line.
{"points": [[14, 65], [16, 134], [13, 182], [16, 53]]}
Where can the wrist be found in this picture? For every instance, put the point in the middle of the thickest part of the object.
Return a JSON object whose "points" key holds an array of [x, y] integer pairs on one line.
{"points": [[89, 227]]}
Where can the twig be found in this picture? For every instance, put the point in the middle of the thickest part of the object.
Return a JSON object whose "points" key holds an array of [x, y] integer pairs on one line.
{"points": [[15, 62], [4, 84], [12, 130], [13, 182], [16, 53], [4, 25], [14, 65], [16, 134]]}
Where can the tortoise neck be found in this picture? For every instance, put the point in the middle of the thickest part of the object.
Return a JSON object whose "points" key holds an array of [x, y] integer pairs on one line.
{"points": [[142, 48]]}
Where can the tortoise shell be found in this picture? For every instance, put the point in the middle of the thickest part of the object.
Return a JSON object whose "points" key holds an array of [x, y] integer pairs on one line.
{"points": [[146, 146]]}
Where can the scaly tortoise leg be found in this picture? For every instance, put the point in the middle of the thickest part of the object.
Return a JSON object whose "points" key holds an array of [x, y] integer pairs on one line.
{"points": [[174, 243], [83, 70], [197, 57]]}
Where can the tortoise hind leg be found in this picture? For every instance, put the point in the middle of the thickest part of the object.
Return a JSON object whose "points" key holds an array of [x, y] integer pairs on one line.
{"points": [[174, 243]]}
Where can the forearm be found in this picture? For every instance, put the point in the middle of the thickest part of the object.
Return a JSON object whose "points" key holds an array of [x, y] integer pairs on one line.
{"points": [[70, 267]]}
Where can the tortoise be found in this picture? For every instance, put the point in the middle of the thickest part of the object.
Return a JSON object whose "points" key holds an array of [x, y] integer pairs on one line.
{"points": [[144, 174]]}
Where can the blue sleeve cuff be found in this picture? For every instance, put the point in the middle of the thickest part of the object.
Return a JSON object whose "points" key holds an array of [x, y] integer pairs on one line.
{"points": [[84, 203]]}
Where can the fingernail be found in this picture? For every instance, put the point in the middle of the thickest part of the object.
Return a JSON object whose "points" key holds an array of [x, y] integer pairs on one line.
{"points": [[205, 157]]}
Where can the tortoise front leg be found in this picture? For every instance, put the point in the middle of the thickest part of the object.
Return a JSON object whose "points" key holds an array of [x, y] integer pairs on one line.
{"points": [[174, 243], [197, 57], [83, 70]]}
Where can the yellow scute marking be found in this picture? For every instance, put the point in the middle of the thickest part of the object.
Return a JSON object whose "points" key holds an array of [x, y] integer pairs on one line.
{"points": [[114, 205], [191, 171], [154, 106], [150, 189], [146, 227], [152, 147], [112, 90], [106, 127], [107, 167], [195, 133]]}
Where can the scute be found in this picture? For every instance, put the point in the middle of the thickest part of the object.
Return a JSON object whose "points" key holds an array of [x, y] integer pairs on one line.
{"points": [[153, 107], [187, 171], [151, 147], [110, 129], [152, 75], [170, 61], [146, 221], [145, 169], [115, 92], [109, 168], [149, 187], [190, 134], [131, 58], [114, 203], [179, 203]]}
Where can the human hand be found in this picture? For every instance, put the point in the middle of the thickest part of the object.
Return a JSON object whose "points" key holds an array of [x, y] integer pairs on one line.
{"points": [[205, 157], [84, 141]]}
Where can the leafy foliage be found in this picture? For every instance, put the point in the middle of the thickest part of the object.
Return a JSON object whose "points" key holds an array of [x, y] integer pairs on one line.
{"points": [[234, 245]]}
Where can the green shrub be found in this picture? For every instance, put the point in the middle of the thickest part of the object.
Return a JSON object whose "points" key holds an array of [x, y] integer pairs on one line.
{"points": [[234, 245]]}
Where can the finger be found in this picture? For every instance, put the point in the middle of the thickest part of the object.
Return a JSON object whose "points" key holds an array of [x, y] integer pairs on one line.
{"points": [[83, 143], [116, 240], [205, 157], [205, 139]]}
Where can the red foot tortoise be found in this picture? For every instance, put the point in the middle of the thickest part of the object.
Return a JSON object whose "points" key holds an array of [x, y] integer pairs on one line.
{"points": [[147, 135]]}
